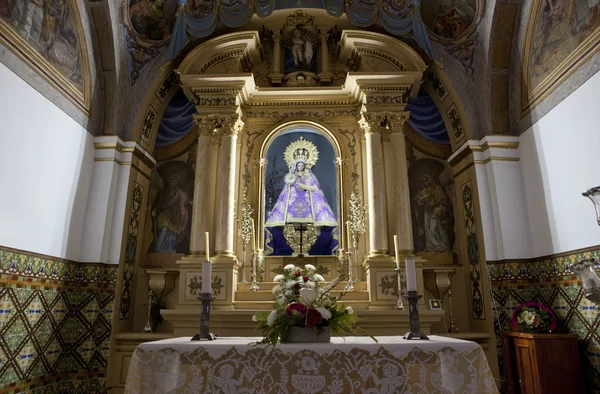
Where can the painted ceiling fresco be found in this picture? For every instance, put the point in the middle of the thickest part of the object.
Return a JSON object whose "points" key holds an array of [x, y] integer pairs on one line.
{"points": [[562, 34], [46, 34], [154, 25]]}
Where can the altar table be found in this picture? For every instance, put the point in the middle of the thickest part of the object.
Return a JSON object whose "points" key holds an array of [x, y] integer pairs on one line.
{"points": [[353, 365]]}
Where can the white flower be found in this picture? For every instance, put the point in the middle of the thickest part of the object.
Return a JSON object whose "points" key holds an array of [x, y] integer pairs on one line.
{"points": [[318, 278], [272, 317], [349, 310], [289, 267], [308, 294], [310, 284], [310, 267], [325, 313], [290, 284], [254, 318], [281, 301], [278, 278], [276, 289]]}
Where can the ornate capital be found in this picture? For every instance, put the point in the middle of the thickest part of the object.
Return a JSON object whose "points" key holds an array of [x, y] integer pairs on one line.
{"points": [[219, 124], [371, 122], [396, 121], [206, 125], [231, 125]]}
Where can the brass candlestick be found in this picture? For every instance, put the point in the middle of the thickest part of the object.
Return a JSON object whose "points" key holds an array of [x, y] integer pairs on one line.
{"points": [[349, 285], [399, 303]]}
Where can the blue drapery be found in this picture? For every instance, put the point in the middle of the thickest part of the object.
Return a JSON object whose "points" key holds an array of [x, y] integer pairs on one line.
{"points": [[201, 22], [426, 119], [177, 120]]}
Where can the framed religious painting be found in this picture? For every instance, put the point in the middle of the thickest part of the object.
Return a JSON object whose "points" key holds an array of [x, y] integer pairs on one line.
{"points": [[48, 36], [561, 36]]}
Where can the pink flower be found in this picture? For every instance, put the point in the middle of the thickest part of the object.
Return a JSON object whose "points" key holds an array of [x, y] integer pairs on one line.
{"points": [[296, 306], [314, 317]]}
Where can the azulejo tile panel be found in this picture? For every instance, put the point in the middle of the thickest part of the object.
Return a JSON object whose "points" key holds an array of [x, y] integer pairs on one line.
{"points": [[550, 281], [55, 323]]}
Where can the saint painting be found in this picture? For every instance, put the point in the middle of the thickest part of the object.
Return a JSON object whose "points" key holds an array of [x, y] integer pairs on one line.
{"points": [[301, 220]]}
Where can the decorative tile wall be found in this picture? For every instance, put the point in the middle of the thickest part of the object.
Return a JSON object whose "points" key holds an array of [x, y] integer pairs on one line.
{"points": [[551, 282], [55, 323]]}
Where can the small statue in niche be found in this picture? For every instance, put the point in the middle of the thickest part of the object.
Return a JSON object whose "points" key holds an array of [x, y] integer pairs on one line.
{"points": [[302, 49], [297, 48]]}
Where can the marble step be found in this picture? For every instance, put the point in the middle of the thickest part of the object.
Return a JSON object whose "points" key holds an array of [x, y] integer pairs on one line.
{"points": [[268, 305], [269, 285], [266, 295]]}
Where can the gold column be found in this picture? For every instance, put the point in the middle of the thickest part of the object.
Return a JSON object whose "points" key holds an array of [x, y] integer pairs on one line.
{"points": [[402, 194], [230, 127], [378, 237], [200, 219], [325, 75]]}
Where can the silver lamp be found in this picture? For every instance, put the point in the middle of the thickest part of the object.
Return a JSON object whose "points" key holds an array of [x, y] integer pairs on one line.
{"points": [[585, 268]]}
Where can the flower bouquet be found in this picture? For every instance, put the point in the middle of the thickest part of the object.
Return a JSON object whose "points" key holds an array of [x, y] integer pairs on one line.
{"points": [[303, 303], [533, 317]]}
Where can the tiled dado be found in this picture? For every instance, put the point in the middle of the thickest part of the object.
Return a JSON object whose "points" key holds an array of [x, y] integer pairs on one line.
{"points": [[55, 323], [549, 280]]}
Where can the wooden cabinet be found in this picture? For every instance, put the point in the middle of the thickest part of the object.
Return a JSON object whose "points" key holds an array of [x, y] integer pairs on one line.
{"points": [[542, 363]]}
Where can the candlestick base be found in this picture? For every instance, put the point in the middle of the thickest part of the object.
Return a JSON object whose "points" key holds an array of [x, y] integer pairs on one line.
{"points": [[205, 334], [204, 337], [412, 335], [413, 310]]}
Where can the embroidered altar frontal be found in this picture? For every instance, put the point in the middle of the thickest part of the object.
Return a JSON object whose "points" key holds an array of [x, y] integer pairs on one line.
{"points": [[353, 365]]}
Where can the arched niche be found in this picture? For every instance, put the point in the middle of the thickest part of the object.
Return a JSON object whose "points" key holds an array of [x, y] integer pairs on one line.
{"points": [[330, 172]]}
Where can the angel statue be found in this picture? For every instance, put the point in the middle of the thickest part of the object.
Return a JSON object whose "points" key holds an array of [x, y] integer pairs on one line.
{"points": [[302, 50], [301, 212]]}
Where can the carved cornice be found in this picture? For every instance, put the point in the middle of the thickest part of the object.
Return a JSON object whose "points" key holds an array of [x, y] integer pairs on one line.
{"points": [[240, 54], [276, 114], [359, 52]]}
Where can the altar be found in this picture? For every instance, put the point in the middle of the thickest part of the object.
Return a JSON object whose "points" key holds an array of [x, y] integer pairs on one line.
{"points": [[350, 365]]}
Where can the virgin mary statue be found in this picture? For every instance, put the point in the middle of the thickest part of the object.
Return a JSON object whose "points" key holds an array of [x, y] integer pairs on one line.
{"points": [[301, 217]]}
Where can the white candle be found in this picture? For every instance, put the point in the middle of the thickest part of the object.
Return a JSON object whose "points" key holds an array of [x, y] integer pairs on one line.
{"points": [[411, 274], [349, 235], [206, 276], [396, 252], [206, 243], [253, 235]]}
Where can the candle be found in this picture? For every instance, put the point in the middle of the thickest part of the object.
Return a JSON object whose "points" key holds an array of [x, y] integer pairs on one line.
{"points": [[206, 276], [349, 235], [396, 252], [206, 243], [411, 274], [253, 236]]}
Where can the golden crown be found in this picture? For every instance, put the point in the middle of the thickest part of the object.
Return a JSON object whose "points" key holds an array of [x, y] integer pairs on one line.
{"points": [[301, 149]]}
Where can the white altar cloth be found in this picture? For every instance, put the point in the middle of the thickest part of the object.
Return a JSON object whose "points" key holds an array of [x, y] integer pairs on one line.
{"points": [[353, 365]]}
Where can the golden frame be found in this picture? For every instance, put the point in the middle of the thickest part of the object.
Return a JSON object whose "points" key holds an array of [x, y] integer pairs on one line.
{"points": [[580, 55], [11, 39], [323, 130]]}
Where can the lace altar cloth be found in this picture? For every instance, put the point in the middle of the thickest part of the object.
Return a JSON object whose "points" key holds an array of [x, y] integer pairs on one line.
{"points": [[356, 365]]}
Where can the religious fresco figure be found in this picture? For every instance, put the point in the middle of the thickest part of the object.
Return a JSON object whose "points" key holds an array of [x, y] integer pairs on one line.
{"points": [[301, 201], [48, 27], [172, 210], [449, 18], [433, 215]]}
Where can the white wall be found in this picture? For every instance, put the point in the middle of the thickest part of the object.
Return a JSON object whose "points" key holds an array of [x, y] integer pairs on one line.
{"points": [[46, 161], [560, 159]]}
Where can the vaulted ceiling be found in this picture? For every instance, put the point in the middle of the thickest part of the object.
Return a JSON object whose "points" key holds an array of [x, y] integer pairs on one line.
{"points": [[484, 46]]}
